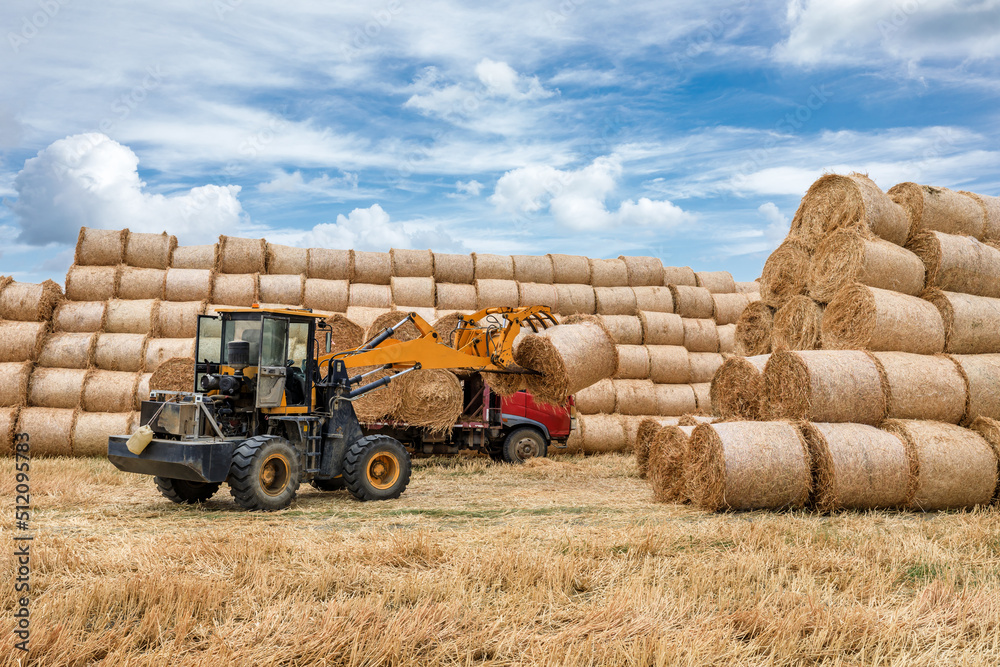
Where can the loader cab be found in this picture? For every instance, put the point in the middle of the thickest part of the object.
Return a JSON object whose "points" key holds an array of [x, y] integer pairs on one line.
{"points": [[281, 354]]}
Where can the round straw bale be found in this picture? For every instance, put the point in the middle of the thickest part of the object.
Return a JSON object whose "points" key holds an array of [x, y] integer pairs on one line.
{"points": [[56, 387], [344, 334], [991, 206], [327, 264], [848, 256], [29, 302], [597, 398], [456, 296], [570, 358], [644, 434], [701, 336], [989, 429], [856, 466], [141, 283], [142, 389], [413, 292], [492, 293], [533, 269], [703, 397], [368, 295], [22, 341], [138, 317], [8, 420], [667, 458], [188, 284], [703, 366], [853, 202], [675, 400], [970, 322], [958, 263], [450, 268], [282, 289], [785, 273], [954, 467], [92, 283], [727, 338], [752, 287], [797, 325], [749, 465], [644, 271], [160, 349], [391, 318], [623, 329], [608, 273], [575, 299], [203, 257], [570, 269], [235, 289], [120, 352], [79, 316], [327, 295], [68, 350], [633, 363], [493, 267], [110, 391], [242, 256], [692, 302], [727, 308], [91, 431], [657, 299], [716, 282], [737, 390], [826, 386], [374, 268], [446, 326], [430, 398], [679, 275], [537, 294], [100, 247], [287, 260], [504, 384], [178, 319], [50, 430], [861, 317], [603, 433], [754, 329], [408, 263], [175, 374], [363, 317], [375, 405], [615, 301], [14, 383], [982, 372], [661, 328], [940, 209], [922, 386], [669, 364], [150, 251]]}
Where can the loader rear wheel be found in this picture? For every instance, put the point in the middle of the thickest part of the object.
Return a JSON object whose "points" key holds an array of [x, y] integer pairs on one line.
{"points": [[335, 484], [264, 474], [376, 467], [183, 492], [523, 444]]}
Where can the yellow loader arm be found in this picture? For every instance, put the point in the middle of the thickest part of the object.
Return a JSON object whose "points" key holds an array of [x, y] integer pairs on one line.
{"points": [[474, 346]]}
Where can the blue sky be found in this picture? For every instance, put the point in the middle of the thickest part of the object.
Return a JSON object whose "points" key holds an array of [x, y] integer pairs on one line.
{"points": [[685, 130]]}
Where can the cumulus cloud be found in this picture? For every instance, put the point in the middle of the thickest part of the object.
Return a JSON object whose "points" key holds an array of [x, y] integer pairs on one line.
{"points": [[577, 198], [91, 180], [372, 229], [777, 224], [337, 188]]}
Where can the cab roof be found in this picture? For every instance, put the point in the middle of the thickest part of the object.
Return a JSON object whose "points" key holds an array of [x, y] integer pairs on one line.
{"points": [[296, 312]]}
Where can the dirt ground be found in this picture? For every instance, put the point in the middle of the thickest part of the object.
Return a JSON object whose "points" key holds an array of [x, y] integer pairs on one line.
{"points": [[564, 562]]}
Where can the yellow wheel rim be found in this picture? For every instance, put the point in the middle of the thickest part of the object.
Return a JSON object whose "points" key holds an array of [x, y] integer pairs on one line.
{"points": [[382, 470], [274, 473]]}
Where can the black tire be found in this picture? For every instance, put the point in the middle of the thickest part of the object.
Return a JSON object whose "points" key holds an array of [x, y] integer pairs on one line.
{"points": [[265, 473], [335, 484], [376, 467], [183, 492], [524, 443]]}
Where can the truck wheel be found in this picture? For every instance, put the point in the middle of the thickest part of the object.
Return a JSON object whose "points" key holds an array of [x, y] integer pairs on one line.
{"points": [[523, 444], [264, 474], [335, 484], [183, 492], [376, 467]]}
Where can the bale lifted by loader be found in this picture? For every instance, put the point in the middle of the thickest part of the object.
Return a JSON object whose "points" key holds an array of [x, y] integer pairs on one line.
{"points": [[266, 418]]}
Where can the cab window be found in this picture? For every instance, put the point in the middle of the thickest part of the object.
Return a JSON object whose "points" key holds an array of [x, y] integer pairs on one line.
{"points": [[273, 342]]}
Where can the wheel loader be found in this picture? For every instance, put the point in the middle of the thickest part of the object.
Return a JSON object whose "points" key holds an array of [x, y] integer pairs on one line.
{"points": [[271, 411]]}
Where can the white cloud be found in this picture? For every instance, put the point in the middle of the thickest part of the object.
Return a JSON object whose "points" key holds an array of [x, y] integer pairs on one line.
{"points": [[777, 224], [465, 189], [502, 81], [90, 180], [324, 186], [576, 199]]}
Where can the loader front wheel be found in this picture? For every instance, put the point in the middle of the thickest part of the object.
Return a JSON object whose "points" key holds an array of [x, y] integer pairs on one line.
{"points": [[183, 492], [264, 475], [376, 467]]}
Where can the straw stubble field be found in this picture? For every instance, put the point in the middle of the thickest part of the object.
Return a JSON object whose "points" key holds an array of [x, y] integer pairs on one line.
{"points": [[568, 561]]}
